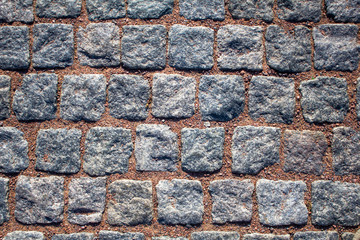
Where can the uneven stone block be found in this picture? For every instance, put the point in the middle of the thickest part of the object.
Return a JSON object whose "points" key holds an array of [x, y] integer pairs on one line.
{"points": [[168, 238], [5, 82], [180, 201], [257, 236], [316, 235], [58, 8], [347, 236], [215, 235], [200, 9], [39, 200], [191, 48], [74, 236], [248, 9], [4, 205], [343, 11], [145, 9], [16, 11], [112, 235], [24, 235], [299, 11], [105, 9], [358, 99]]}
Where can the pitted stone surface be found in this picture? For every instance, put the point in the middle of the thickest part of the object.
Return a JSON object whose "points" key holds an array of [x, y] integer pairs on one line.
{"points": [[5, 82], [347, 236], [24, 235], [4, 205], [16, 11], [286, 52], [272, 98], [173, 96], [53, 45], [145, 9], [248, 9], [180, 201], [112, 235], [99, 45], [336, 47], [231, 201], [39, 200], [58, 8], [257, 236], [83, 97], [240, 48], [358, 99], [36, 98], [281, 203], [191, 48], [316, 235], [74, 236], [14, 48], [13, 146], [299, 11], [202, 9], [156, 148], [202, 149], [222, 97], [324, 100], [58, 150], [343, 11], [131, 202], [105, 9], [144, 47], [215, 235], [168, 238]]}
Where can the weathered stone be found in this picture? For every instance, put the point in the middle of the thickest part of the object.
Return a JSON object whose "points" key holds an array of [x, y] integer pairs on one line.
{"points": [[215, 235], [24, 235], [39, 200], [343, 11], [191, 48], [180, 201], [347, 236], [272, 98], [281, 203], [105, 9], [36, 98], [129, 97], [53, 45], [222, 97], [358, 99], [5, 82], [286, 52], [112, 235], [168, 238], [131, 202], [324, 100], [248, 9], [240, 48], [58, 8], [144, 47], [257, 236], [74, 236], [316, 235], [145, 9], [4, 205], [16, 11], [156, 148], [173, 96], [58, 150], [99, 45], [107, 151], [201, 10], [299, 11], [336, 47], [83, 97]]}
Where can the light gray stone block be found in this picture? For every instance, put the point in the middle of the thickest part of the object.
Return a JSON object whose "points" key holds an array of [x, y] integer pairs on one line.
{"points": [[5, 82], [201, 10], [316, 235], [112, 235], [16, 11], [145, 9], [74, 236], [252, 9], [58, 8], [105, 9], [299, 11], [24, 235], [4, 204], [343, 11], [215, 235], [257, 236]]}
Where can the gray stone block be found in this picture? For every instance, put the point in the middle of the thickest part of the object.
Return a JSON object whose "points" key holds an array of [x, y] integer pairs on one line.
{"points": [[36, 98], [112, 235], [215, 235], [316, 235], [105, 9], [168, 238], [58, 8], [16, 11], [343, 11], [257, 236], [347, 236], [299, 11], [39, 200], [252, 9], [145, 9], [191, 48], [358, 99], [4, 204], [24, 235], [74, 236], [58, 150], [201, 10], [5, 82]]}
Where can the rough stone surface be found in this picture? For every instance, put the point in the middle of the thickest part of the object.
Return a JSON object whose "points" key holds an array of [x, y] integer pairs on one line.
{"points": [[343, 11], [58, 8], [304, 151], [281, 203], [53, 45], [215, 235], [222, 97], [74, 236], [58, 150], [358, 99], [14, 48], [22, 235], [83, 97], [144, 47], [145, 9], [168, 238], [336, 47], [4, 205], [131, 202], [231, 201], [257, 236], [39, 200], [272, 98], [13, 146], [107, 151], [316, 235], [112, 235], [202, 9], [16, 11], [129, 97], [173, 96], [156, 148], [286, 52], [36, 98], [299, 11], [347, 236], [248, 9], [5, 82], [324, 100], [240, 48], [105, 9], [180, 201], [99, 45], [191, 48], [202, 149]]}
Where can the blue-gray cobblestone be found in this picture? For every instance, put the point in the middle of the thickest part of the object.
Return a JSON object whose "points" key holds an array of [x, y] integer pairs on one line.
{"points": [[58, 8], [112, 235], [16, 11], [145, 9], [24, 235], [5, 82], [4, 204], [201, 10], [105, 9], [299, 11]]}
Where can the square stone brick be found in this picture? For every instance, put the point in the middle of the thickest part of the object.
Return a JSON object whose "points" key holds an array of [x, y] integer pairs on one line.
{"points": [[35, 100], [316, 235], [144, 47], [336, 47], [156, 148], [168, 238], [14, 48], [201, 10], [99, 45], [131, 202], [4, 205], [112, 235], [58, 150], [191, 48], [257, 236], [222, 97], [252, 9], [107, 151], [5, 82], [324, 100], [74, 236], [145, 9], [286, 52], [180, 202], [83, 97], [215, 235], [281, 203], [58, 8], [129, 97], [254, 148], [39, 200], [231, 201], [105, 9], [53, 45], [202, 149], [358, 98], [299, 11], [24, 235], [16, 11], [272, 99], [343, 11]]}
